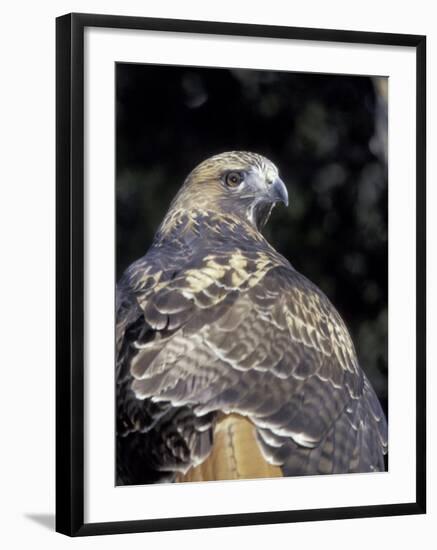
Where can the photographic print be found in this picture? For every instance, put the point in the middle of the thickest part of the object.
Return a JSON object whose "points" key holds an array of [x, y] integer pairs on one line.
{"points": [[228, 307], [252, 274]]}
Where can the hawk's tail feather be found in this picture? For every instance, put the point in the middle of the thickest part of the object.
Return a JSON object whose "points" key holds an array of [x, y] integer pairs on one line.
{"points": [[235, 454]]}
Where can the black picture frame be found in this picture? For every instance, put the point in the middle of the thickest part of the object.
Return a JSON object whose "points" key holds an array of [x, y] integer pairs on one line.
{"points": [[70, 273]]}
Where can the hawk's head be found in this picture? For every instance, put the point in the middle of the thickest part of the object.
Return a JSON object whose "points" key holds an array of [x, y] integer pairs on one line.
{"points": [[246, 185]]}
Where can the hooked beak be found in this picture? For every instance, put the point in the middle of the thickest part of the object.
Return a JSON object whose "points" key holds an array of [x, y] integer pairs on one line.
{"points": [[278, 192]]}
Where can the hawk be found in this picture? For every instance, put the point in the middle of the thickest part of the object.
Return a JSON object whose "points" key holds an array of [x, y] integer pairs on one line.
{"points": [[231, 364]]}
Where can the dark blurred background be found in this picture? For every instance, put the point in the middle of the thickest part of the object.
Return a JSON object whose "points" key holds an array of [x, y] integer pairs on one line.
{"points": [[328, 136]]}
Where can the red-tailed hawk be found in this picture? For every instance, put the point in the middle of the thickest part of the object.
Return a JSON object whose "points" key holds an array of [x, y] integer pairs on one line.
{"points": [[230, 363]]}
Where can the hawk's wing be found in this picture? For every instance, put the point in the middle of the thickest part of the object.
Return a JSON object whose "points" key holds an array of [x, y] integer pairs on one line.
{"points": [[244, 334]]}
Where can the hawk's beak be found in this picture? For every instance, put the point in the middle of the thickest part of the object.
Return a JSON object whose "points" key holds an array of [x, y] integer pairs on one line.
{"points": [[278, 192]]}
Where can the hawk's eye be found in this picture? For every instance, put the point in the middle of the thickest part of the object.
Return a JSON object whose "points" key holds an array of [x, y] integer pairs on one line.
{"points": [[233, 179]]}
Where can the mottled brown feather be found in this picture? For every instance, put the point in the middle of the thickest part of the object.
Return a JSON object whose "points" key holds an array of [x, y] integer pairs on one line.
{"points": [[213, 322]]}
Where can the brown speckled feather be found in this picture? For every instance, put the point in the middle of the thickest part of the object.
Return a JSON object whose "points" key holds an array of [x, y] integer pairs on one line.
{"points": [[214, 322]]}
